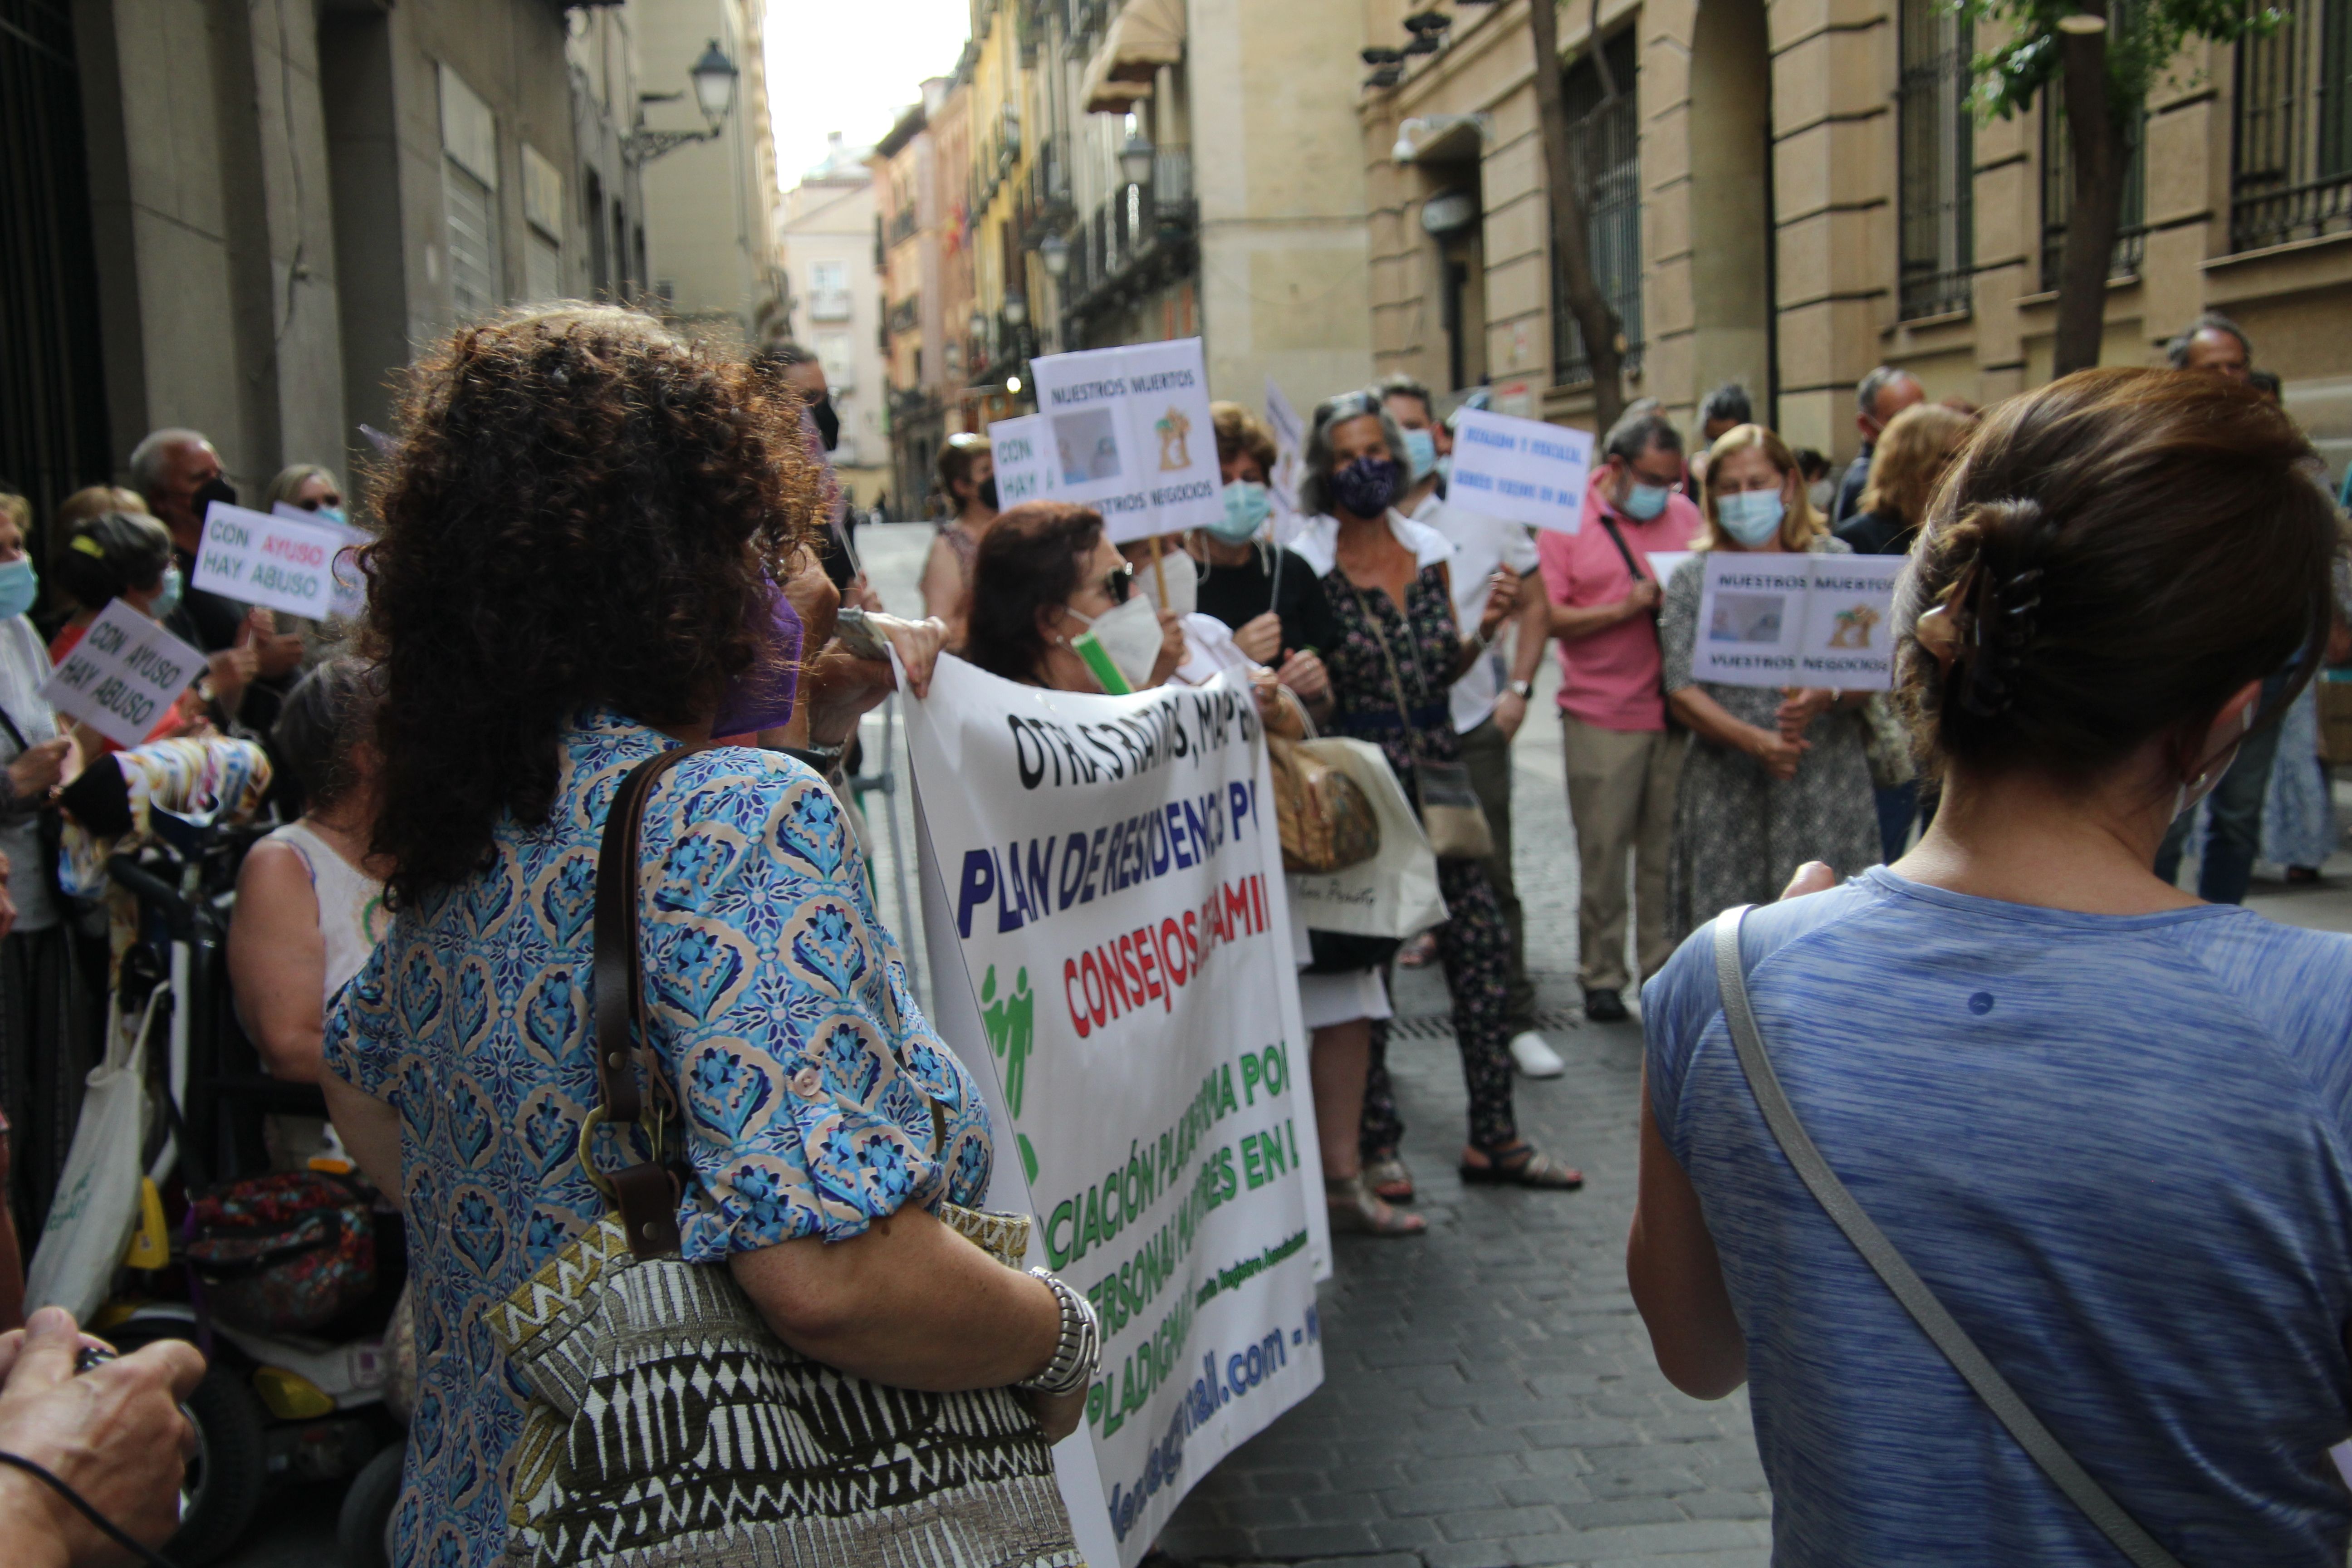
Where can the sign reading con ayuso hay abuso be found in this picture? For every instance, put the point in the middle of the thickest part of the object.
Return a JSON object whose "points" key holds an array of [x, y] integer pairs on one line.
{"points": [[1131, 436], [1797, 620], [122, 675], [1110, 954], [258, 559], [347, 593], [1023, 451], [1523, 470]]}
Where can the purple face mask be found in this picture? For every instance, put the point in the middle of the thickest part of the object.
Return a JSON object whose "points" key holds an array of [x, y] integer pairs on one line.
{"points": [[760, 698]]}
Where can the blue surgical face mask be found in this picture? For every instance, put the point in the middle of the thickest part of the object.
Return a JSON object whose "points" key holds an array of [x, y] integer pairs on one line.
{"points": [[1446, 468], [1421, 450], [332, 514], [19, 586], [1643, 502], [169, 599], [1245, 509], [1750, 517]]}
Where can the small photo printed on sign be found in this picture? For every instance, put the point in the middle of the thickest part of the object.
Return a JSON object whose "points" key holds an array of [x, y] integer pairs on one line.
{"points": [[1088, 446], [1754, 618]]}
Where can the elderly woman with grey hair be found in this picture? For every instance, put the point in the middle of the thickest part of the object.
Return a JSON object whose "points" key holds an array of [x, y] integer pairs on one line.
{"points": [[1387, 582]]}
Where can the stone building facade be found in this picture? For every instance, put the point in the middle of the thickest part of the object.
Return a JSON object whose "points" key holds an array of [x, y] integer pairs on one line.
{"points": [[1789, 191]]}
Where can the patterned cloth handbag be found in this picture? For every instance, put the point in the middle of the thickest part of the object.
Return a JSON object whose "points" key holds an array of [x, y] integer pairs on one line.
{"points": [[667, 1422]]}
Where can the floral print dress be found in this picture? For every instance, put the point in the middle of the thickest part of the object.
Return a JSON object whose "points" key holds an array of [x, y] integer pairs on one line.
{"points": [[815, 1097], [1424, 641], [1739, 832]]}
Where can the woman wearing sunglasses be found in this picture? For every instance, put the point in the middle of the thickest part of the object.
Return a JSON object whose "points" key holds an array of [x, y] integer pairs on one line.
{"points": [[1045, 574]]}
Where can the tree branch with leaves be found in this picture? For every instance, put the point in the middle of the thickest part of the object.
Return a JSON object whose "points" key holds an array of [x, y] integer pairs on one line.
{"points": [[2102, 57]]}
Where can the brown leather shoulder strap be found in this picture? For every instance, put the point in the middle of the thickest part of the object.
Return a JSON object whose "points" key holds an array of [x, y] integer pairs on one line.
{"points": [[642, 1192]]}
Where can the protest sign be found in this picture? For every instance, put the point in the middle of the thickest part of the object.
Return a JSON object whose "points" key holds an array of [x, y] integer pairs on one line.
{"points": [[1110, 955], [1664, 564], [124, 675], [1849, 640], [1023, 451], [1131, 435], [1523, 470], [258, 559], [1797, 620], [347, 593], [1289, 441]]}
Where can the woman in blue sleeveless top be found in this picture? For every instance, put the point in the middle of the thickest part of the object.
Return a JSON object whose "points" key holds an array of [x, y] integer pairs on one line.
{"points": [[2110, 1126]]}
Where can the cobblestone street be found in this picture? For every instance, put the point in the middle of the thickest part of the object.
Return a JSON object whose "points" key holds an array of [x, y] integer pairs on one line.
{"points": [[1489, 1397]]}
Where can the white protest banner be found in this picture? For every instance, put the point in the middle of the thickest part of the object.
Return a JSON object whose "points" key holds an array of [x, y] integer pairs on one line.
{"points": [[258, 559], [1131, 435], [1849, 640], [1023, 451], [1524, 469], [122, 675], [348, 595], [1110, 954], [1796, 620]]}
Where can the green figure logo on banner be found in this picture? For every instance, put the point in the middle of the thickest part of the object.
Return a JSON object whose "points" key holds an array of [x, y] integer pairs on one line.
{"points": [[1011, 1028]]}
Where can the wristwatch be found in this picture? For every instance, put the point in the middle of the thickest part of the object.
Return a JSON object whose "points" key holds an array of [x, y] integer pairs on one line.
{"points": [[1078, 1353], [1524, 689]]}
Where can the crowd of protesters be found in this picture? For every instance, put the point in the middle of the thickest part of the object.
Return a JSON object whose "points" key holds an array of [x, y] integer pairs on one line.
{"points": [[457, 751]]}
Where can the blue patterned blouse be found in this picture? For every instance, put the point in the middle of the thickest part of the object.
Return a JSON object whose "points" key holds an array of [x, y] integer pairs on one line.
{"points": [[779, 1002]]}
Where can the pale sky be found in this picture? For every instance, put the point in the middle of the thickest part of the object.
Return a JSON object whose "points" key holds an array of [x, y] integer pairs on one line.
{"points": [[852, 66]]}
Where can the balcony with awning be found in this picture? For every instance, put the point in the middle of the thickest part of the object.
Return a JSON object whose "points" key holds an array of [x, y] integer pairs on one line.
{"points": [[1145, 36]]}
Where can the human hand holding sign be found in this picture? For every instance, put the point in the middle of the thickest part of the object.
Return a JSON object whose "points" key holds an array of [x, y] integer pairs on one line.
{"points": [[40, 769], [1260, 639], [1502, 599], [1800, 705]]}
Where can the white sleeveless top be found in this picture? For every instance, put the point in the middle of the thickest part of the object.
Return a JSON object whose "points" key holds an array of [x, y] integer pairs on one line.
{"points": [[350, 903]]}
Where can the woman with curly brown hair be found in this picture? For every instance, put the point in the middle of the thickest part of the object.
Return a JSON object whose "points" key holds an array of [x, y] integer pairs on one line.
{"points": [[582, 529]]}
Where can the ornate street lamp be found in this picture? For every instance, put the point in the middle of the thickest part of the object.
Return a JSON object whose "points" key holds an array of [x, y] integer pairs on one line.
{"points": [[1135, 160], [713, 76], [1055, 250], [714, 84]]}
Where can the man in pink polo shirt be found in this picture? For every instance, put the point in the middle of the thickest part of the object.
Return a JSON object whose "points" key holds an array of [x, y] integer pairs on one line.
{"points": [[1623, 762]]}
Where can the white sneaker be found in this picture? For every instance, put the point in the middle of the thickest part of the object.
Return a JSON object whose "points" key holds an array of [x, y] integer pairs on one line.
{"points": [[1535, 1056]]}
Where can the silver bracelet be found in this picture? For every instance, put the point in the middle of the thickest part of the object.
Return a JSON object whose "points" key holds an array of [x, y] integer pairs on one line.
{"points": [[1078, 1353]]}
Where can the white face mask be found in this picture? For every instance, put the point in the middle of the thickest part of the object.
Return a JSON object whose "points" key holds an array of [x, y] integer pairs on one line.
{"points": [[1184, 578], [2187, 796], [1131, 634]]}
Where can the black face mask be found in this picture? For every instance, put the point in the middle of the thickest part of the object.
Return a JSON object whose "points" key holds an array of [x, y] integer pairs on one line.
{"points": [[215, 489], [988, 492], [828, 422]]}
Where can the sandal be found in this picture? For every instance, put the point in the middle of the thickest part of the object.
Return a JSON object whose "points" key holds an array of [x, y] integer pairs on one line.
{"points": [[1515, 1164], [1389, 1179], [1354, 1209]]}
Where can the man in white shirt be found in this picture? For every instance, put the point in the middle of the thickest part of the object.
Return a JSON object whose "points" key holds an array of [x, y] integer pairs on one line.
{"points": [[1490, 701]]}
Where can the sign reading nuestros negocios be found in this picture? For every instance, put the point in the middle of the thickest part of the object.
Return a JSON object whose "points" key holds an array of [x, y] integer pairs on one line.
{"points": [[1110, 954], [1129, 436]]}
